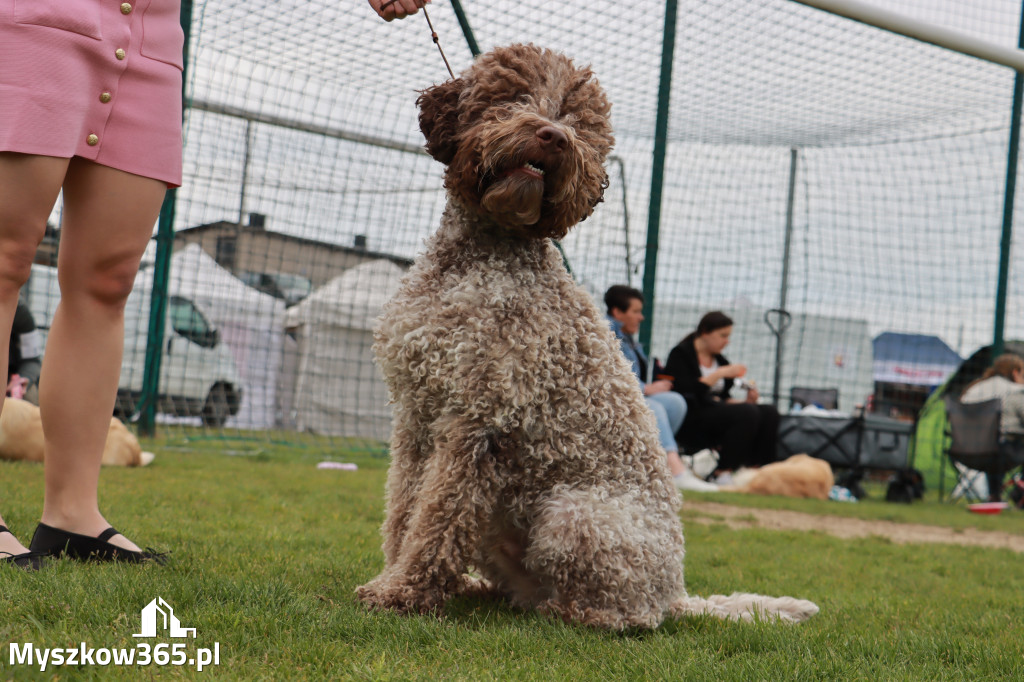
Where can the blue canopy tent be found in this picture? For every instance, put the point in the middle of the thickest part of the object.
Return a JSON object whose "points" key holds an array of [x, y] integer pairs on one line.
{"points": [[913, 359], [906, 368]]}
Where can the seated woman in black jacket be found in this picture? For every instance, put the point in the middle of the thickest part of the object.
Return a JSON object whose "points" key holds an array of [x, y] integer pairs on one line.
{"points": [[743, 432]]}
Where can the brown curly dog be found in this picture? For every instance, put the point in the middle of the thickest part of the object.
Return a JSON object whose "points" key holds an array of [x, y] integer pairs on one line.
{"points": [[522, 445]]}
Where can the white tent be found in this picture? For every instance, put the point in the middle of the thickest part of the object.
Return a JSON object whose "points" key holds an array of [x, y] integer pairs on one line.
{"points": [[338, 388], [250, 323]]}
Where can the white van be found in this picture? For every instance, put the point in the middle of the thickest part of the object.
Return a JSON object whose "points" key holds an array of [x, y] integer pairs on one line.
{"points": [[198, 376]]}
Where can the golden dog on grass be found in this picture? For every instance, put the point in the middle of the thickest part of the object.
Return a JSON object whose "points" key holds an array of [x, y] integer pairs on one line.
{"points": [[21, 437], [798, 476]]}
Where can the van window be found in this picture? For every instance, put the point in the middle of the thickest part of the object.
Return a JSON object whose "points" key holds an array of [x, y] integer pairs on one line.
{"points": [[189, 322], [288, 287]]}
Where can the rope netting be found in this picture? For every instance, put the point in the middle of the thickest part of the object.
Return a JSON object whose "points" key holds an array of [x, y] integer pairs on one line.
{"points": [[307, 193]]}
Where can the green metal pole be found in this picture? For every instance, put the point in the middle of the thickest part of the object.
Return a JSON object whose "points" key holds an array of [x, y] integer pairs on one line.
{"points": [[998, 341], [467, 30], [161, 275], [780, 337], [668, 47]]}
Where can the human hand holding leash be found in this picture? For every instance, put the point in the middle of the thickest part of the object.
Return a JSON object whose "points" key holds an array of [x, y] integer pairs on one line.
{"points": [[396, 9]]}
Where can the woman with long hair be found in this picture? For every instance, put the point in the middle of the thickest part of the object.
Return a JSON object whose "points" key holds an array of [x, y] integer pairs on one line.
{"points": [[743, 431], [1003, 380]]}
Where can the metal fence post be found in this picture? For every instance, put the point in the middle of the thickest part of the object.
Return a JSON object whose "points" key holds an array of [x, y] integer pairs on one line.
{"points": [[161, 274], [668, 47], [467, 30], [1006, 240]]}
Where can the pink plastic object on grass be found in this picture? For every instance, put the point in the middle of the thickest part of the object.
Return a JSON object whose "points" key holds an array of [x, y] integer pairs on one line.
{"points": [[337, 465], [988, 507]]}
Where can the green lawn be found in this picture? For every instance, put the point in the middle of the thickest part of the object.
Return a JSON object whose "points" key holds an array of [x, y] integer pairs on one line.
{"points": [[266, 552]]}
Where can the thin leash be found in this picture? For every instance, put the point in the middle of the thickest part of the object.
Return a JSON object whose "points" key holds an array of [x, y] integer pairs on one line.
{"points": [[433, 34]]}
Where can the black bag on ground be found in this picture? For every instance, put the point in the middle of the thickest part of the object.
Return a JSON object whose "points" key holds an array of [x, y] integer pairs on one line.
{"points": [[851, 480], [906, 485], [1016, 491]]}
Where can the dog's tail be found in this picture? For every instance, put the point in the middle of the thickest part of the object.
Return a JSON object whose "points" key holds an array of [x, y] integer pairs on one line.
{"points": [[745, 606]]}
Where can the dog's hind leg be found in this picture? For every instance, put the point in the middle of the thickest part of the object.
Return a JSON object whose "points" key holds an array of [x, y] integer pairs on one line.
{"points": [[455, 495], [500, 560], [745, 606], [610, 558]]}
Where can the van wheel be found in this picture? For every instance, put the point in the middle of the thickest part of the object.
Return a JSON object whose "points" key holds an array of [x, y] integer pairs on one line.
{"points": [[217, 408], [124, 407]]}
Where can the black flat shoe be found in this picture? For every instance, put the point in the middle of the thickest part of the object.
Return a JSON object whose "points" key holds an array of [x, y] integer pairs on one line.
{"points": [[52, 541], [30, 561]]}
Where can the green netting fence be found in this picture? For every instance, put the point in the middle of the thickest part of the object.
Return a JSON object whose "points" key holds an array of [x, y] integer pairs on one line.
{"points": [[848, 176]]}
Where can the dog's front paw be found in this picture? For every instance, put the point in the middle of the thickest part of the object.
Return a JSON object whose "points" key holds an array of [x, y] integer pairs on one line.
{"points": [[476, 588], [389, 594]]}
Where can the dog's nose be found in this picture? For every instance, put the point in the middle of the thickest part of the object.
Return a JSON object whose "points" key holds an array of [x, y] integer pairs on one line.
{"points": [[552, 139]]}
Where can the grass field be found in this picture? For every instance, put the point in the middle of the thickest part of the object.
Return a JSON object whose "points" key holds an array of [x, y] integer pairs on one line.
{"points": [[266, 551]]}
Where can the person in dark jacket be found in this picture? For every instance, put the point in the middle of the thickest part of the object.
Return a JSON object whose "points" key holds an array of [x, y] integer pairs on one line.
{"points": [[743, 432]]}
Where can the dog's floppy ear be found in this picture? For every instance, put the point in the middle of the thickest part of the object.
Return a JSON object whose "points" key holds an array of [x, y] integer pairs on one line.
{"points": [[439, 118]]}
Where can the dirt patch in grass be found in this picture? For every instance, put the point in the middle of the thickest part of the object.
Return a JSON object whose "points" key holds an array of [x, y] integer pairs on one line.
{"points": [[902, 533]]}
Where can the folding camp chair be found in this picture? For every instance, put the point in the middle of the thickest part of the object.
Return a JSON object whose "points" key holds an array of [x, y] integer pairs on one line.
{"points": [[826, 398], [974, 445]]}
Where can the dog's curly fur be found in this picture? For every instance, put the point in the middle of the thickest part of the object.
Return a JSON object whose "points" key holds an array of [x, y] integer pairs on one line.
{"points": [[522, 445]]}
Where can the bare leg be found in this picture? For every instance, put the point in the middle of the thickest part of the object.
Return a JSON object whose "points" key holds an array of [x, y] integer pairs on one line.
{"points": [[29, 186], [675, 465], [108, 219]]}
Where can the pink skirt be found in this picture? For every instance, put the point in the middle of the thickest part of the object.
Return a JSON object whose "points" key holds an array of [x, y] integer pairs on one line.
{"points": [[99, 79]]}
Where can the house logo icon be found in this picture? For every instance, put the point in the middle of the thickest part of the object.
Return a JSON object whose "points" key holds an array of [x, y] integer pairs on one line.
{"points": [[159, 613]]}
